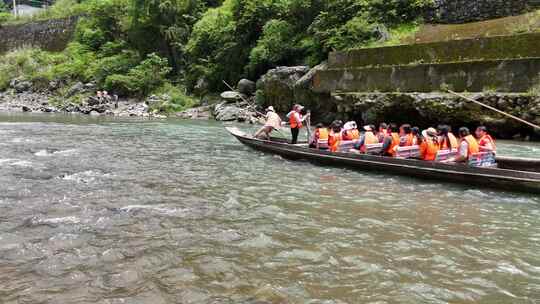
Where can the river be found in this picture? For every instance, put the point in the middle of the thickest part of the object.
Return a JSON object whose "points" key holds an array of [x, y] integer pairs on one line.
{"points": [[133, 211]]}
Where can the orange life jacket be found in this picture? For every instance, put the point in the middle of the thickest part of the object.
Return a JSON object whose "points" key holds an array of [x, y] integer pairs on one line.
{"points": [[485, 140], [395, 142], [369, 139], [473, 145], [410, 140], [453, 142], [334, 139], [322, 134], [351, 135], [429, 149], [293, 122]]}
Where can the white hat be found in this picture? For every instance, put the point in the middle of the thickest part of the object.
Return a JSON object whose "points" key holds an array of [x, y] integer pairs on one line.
{"points": [[350, 125], [270, 108], [429, 132], [368, 128]]}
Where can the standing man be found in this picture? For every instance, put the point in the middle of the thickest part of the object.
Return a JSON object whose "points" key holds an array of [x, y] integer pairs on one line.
{"points": [[273, 122], [296, 119]]}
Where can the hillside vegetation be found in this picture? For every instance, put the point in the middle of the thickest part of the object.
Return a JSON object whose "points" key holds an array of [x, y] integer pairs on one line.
{"points": [[138, 47]]}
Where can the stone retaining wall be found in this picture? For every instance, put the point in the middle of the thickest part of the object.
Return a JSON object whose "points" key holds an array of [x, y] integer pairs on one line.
{"points": [[462, 11], [50, 35], [492, 48], [515, 75]]}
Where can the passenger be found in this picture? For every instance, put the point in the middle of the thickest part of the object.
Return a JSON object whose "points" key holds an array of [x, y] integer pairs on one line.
{"points": [[320, 137], [369, 138], [296, 119], [273, 122], [467, 147], [406, 138], [429, 145], [485, 141], [350, 131], [334, 138], [391, 140], [416, 136], [447, 140], [382, 132]]}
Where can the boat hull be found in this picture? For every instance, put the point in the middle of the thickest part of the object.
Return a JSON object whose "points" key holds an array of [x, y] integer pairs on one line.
{"points": [[477, 177]]}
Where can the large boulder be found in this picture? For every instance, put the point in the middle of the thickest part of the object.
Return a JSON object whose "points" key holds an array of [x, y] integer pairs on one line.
{"points": [[20, 85], [319, 103], [232, 96], [75, 89], [246, 86], [232, 112], [277, 86]]}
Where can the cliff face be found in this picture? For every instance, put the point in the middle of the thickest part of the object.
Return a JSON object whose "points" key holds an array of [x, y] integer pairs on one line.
{"points": [[50, 35]]}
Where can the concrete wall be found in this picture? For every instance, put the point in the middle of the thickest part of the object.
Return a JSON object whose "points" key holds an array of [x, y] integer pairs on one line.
{"points": [[50, 35], [461, 11], [515, 75], [502, 47]]}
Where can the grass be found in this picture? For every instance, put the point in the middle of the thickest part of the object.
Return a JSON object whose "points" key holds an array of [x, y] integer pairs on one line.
{"points": [[402, 34]]}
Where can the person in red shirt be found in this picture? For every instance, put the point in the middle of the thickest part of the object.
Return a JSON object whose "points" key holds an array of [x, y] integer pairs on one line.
{"points": [[485, 141]]}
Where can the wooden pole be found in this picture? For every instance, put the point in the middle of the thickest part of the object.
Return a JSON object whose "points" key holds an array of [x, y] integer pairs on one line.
{"points": [[495, 109]]}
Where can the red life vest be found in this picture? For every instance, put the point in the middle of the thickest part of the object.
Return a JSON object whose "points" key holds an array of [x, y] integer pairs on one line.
{"points": [[334, 139], [485, 140], [293, 122]]}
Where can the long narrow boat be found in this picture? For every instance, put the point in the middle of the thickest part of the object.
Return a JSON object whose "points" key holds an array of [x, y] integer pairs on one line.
{"points": [[506, 179]]}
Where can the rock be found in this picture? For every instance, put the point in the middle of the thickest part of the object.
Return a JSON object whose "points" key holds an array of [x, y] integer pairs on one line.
{"points": [[26, 109], [246, 86], [53, 85], [277, 86], [20, 85], [231, 96], [94, 113], [90, 86], [75, 89], [203, 112]]}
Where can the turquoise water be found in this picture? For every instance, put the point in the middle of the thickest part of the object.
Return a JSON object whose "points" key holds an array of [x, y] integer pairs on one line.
{"points": [[138, 211]]}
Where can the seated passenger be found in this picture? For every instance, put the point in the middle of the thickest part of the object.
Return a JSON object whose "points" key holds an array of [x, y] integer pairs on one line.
{"points": [[334, 138], [383, 130], [350, 131], [485, 141], [406, 137], [429, 145], [416, 136], [320, 137], [391, 140], [369, 138], [467, 146], [447, 140]]}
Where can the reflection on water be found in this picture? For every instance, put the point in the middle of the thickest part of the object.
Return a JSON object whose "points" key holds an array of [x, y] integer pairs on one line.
{"points": [[120, 211]]}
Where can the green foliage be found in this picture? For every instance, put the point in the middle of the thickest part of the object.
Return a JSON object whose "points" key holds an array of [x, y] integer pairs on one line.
{"points": [[178, 101], [141, 80]]}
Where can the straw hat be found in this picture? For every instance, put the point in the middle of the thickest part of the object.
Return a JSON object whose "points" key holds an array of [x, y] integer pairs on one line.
{"points": [[350, 125], [270, 109], [368, 128]]}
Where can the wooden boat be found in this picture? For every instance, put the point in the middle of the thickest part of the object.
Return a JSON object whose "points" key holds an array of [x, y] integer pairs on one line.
{"points": [[507, 178]]}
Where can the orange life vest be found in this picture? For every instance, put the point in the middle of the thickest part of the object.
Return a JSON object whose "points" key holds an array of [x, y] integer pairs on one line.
{"points": [[429, 149], [485, 140], [473, 145], [395, 142], [293, 122], [453, 142], [334, 139], [410, 140], [351, 135], [369, 139], [322, 134]]}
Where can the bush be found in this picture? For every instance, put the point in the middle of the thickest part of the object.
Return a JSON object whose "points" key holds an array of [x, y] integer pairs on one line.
{"points": [[179, 100], [141, 80]]}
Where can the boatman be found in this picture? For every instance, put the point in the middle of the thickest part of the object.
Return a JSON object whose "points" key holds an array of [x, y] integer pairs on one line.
{"points": [[296, 119], [485, 141], [273, 122], [467, 146]]}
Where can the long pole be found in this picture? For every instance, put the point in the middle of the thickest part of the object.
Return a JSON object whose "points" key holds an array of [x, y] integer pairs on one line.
{"points": [[15, 10], [495, 109]]}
